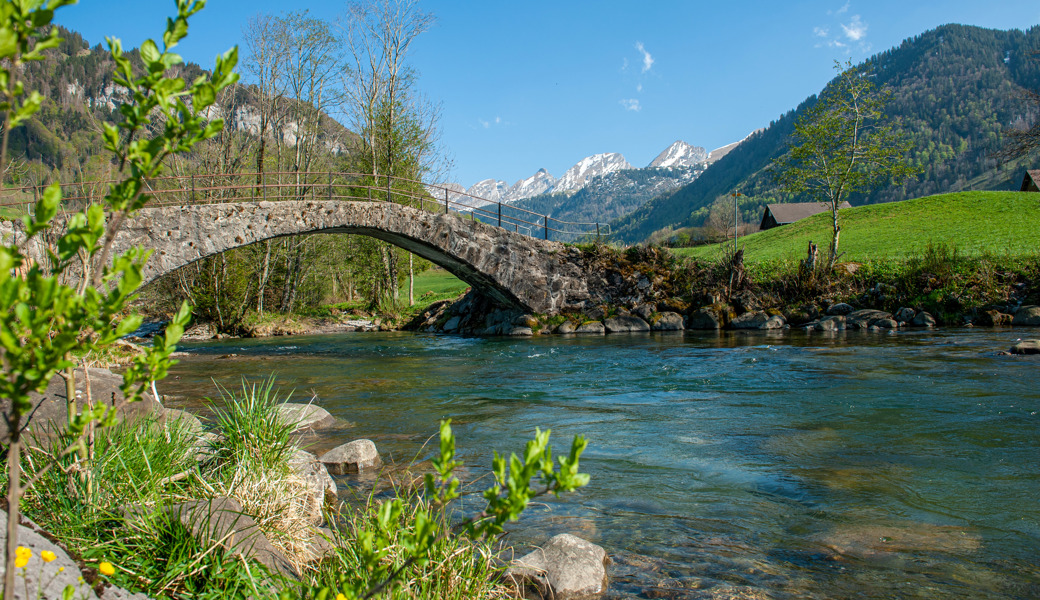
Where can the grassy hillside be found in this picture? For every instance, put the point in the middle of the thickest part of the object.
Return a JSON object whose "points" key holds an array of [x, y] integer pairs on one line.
{"points": [[972, 222]]}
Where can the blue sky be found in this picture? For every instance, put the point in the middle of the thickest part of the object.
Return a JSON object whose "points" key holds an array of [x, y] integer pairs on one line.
{"points": [[526, 85]]}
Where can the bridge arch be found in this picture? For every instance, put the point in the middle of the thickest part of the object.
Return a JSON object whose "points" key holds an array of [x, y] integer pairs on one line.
{"points": [[518, 271]]}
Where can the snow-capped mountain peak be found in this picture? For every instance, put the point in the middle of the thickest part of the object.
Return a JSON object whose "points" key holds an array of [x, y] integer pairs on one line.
{"points": [[593, 166], [680, 154], [539, 183]]}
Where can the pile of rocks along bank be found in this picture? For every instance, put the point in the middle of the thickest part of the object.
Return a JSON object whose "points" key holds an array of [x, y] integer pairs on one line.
{"points": [[474, 314]]}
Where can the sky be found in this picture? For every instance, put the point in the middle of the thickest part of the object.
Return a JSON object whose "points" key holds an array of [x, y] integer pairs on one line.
{"points": [[545, 83]]}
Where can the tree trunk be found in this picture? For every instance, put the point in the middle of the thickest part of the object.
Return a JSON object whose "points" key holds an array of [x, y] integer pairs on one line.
{"points": [[265, 272], [411, 279]]}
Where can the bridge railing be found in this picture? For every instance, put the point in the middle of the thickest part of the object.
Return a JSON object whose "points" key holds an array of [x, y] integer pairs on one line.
{"points": [[176, 190]]}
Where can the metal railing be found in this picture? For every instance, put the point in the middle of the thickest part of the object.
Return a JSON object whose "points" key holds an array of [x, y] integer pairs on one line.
{"points": [[192, 189]]}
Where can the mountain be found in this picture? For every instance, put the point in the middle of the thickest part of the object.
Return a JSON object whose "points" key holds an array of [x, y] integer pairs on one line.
{"points": [[680, 154], [593, 166], [954, 91]]}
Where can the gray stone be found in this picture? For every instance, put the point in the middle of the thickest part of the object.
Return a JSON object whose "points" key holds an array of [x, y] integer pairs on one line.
{"points": [[886, 324], [864, 318], [1026, 347], [591, 327], [644, 311], [183, 419], [49, 410], [1028, 316], [352, 457], [113, 592], [319, 485], [923, 319], [566, 567], [624, 324], [905, 315], [705, 318], [757, 320], [668, 321], [42, 579], [319, 545], [306, 417], [520, 331], [223, 522], [565, 328], [451, 324], [840, 308], [831, 323]]}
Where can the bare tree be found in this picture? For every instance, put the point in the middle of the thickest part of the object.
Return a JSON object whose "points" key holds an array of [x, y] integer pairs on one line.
{"points": [[263, 37]]}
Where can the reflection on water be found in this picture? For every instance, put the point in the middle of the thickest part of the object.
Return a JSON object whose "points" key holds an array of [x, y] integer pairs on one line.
{"points": [[785, 465]]}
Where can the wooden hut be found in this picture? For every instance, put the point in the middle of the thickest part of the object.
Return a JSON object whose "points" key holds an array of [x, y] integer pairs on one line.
{"points": [[784, 214], [1031, 182]]}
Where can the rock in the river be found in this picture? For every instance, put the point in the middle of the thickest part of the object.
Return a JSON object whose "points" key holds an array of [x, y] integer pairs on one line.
{"points": [[885, 324], [305, 417], [1028, 316], [565, 328], [520, 331], [709, 317], [352, 457], [923, 319], [758, 320], [625, 324], [667, 321], [591, 327], [864, 318], [1026, 347], [566, 567], [905, 315], [840, 308], [44, 579], [831, 323]]}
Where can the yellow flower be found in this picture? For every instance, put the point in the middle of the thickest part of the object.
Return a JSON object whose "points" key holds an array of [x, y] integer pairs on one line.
{"points": [[340, 597], [22, 556], [48, 556], [106, 568]]}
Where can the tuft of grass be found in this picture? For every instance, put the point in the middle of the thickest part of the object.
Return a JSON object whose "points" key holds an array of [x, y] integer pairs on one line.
{"points": [[251, 434]]}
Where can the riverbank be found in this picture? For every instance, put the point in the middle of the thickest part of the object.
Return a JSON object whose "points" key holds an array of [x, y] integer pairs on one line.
{"points": [[235, 504]]}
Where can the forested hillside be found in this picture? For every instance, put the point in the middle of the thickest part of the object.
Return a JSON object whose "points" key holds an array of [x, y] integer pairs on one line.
{"points": [[955, 90]]}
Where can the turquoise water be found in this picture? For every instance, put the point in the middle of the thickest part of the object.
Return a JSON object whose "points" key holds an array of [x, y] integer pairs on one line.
{"points": [[785, 465]]}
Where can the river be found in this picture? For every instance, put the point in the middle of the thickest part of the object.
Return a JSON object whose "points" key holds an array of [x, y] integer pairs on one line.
{"points": [[780, 465]]}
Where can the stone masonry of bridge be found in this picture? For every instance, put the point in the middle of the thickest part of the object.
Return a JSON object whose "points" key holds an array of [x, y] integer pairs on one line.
{"points": [[521, 272]]}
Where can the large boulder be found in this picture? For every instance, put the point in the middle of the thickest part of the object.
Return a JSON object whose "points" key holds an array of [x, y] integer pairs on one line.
{"points": [[305, 417], [1028, 316], [905, 314], [624, 324], [923, 319], [866, 317], [758, 320], [44, 579], [667, 321], [713, 317], [1026, 347], [566, 567], [594, 327], [831, 323], [319, 485], [840, 309], [221, 521], [352, 457], [49, 412]]}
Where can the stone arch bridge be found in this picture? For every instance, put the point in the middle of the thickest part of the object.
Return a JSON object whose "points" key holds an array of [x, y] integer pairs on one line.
{"points": [[519, 271]]}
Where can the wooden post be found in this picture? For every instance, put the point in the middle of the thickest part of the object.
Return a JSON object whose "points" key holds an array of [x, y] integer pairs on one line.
{"points": [[330, 185], [445, 201], [499, 214], [193, 188], [546, 226]]}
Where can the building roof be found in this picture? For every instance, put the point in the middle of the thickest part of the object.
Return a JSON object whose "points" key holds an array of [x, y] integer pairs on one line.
{"points": [[796, 211], [1032, 176]]}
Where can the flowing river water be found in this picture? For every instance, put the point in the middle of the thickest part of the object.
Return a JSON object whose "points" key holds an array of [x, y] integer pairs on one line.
{"points": [[782, 465]]}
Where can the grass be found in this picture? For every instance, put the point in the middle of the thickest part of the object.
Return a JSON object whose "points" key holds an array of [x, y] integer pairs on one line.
{"points": [[111, 509], [438, 281], [976, 223]]}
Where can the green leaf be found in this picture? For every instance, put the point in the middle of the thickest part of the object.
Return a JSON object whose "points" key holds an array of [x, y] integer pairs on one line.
{"points": [[149, 53]]}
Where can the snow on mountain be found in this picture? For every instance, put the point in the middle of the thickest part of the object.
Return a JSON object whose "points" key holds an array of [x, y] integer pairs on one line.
{"points": [[680, 154], [593, 166], [491, 190], [539, 183]]}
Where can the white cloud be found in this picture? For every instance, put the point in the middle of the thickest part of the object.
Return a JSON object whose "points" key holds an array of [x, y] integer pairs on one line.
{"points": [[648, 61], [821, 32], [856, 30], [639, 87], [631, 104], [488, 124], [844, 9]]}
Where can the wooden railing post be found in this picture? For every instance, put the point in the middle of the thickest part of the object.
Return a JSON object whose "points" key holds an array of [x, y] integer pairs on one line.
{"points": [[193, 188], [499, 214], [330, 185], [546, 226], [445, 201]]}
